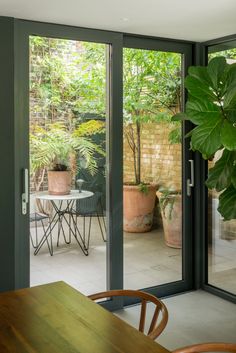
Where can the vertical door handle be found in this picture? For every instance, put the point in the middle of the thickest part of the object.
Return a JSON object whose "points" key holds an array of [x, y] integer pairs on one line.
{"points": [[25, 193], [190, 181]]}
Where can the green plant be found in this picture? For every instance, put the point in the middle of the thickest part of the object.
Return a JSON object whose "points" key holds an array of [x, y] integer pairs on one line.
{"points": [[152, 93], [67, 78], [143, 188], [211, 106], [167, 198], [57, 148]]}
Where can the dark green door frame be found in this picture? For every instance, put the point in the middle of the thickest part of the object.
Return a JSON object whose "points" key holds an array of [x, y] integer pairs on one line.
{"points": [[7, 156]]}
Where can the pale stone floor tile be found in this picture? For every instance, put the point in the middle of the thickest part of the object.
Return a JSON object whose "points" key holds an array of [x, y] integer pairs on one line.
{"points": [[194, 317], [147, 262]]}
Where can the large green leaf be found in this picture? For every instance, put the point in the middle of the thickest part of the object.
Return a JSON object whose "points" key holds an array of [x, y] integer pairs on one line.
{"points": [[200, 72], [179, 117], [230, 95], [198, 88], [227, 203], [220, 175], [230, 112], [233, 176], [200, 111], [216, 69], [230, 77], [228, 135], [206, 137]]}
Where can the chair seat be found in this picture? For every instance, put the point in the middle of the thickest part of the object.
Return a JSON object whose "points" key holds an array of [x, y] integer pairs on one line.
{"points": [[37, 217]]}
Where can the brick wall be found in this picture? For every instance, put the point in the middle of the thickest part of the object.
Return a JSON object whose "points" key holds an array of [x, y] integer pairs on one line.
{"points": [[160, 160]]}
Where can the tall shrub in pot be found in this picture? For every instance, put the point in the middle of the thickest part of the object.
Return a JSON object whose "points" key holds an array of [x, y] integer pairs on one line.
{"points": [[151, 94]]}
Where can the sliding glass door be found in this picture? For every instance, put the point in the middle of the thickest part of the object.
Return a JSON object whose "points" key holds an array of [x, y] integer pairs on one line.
{"points": [[156, 168], [68, 127], [68, 123], [221, 239], [77, 111]]}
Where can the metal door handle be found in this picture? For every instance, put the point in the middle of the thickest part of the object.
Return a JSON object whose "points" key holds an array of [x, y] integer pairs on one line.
{"points": [[25, 193], [190, 182]]}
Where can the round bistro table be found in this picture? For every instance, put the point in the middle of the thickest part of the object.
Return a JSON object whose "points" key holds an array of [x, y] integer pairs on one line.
{"points": [[63, 205]]}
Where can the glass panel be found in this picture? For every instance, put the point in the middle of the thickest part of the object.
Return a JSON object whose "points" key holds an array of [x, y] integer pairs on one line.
{"points": [[67, 149], [152, 155], [221, 235]]}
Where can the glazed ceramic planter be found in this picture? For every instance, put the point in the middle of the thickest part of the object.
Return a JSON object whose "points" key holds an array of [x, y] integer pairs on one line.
{"points": [[59, 182], [138, 208]]}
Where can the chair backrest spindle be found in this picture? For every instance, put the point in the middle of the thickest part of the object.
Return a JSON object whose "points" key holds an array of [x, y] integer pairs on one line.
{"points": [[142, 315]]}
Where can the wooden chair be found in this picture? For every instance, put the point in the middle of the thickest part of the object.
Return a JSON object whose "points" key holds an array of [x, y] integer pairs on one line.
{"points": [[155, 328], [208, 347]]}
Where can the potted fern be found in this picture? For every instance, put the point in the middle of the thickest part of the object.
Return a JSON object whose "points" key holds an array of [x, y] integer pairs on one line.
{"points": [[55, 149]]}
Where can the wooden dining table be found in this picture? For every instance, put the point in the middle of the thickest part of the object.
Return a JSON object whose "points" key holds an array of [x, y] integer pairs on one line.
{"points": [[55, 318]]}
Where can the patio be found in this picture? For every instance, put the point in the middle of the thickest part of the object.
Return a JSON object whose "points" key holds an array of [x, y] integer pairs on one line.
{"points": [[147, 261]]}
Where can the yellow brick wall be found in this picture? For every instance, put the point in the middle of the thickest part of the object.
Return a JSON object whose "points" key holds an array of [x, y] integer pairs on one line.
{"points": [[160, 160]]}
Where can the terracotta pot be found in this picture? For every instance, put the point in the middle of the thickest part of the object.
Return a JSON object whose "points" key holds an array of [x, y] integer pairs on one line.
{"points": [[171, 212], [59, 182], [138, 208]]}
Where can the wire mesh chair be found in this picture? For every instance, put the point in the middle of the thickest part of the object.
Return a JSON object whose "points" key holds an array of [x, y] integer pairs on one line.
{"points": [[39, 217], [91, 207]]}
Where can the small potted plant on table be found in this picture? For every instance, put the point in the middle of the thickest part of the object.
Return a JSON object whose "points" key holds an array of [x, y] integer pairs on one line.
{"points": [[55, 149]]}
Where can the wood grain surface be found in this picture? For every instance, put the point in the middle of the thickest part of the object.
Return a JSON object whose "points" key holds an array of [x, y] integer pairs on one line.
{"points": [[56, 318]]}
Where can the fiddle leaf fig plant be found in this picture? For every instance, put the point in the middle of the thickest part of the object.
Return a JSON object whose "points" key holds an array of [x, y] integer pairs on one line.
{"points": [[211, 106]]}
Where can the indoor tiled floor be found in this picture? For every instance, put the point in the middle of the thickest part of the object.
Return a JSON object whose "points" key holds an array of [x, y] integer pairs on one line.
{"points": [[222, 252], [188, 322]]}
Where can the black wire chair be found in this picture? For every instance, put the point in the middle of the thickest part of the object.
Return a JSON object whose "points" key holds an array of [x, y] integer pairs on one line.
{"points": [[90, 207], [39, 217]]}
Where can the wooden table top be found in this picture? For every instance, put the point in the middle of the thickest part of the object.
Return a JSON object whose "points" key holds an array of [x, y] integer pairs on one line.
{"points": [[56, 318]]}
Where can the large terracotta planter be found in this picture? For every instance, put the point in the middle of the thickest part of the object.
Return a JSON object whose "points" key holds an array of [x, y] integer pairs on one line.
{"points": [[171, 212], [138, 208], [59, 182]]}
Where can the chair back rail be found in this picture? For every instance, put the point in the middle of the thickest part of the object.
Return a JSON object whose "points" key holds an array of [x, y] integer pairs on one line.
{"points": [[155, 328], [208, 347]]}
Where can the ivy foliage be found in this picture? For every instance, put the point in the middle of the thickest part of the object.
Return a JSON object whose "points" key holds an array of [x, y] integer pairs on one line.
{"points": [[66, 79], [211, 107]]}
